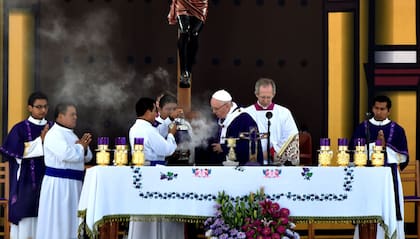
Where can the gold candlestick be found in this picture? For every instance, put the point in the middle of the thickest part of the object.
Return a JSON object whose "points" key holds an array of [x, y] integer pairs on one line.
{"points": [[120, 155], [343, 156], [360, 157], [325, 156], [231, 156], [138, 155], [377, 156], [103, 155]]}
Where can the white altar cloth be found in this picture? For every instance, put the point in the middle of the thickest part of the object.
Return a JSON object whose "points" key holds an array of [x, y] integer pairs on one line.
{"points": [[343, 194]]}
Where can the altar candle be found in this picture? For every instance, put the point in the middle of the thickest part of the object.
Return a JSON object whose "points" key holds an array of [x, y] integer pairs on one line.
{"points": [[342, 142], [103, 140], [139, 141], [360, 141], [324, 142], [120, 141]]}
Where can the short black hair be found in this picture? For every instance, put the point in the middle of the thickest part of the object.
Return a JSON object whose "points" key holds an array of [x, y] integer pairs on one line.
{"points": [[61, 108], [144, 104], [37, 95], [382, 98], [166, 99]]}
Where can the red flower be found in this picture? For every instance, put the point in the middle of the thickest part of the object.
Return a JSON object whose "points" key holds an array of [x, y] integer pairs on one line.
{"points": [[266, 231], [284, 220], [281, 229], [284, 212], [275, 236], [250, 233]]}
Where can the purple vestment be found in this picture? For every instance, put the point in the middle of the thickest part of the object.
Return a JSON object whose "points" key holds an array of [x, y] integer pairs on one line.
{"points": [[24, 193], [395, 139], [394, 136]]}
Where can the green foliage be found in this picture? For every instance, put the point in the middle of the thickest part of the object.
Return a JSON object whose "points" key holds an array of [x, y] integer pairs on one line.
{"points": [[234, 211]]}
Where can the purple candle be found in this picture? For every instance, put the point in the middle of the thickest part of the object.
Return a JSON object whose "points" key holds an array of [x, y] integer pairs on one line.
{"points": [[342, 142], [120, 141], [360, 142], [139, 141], [324, 142], [103, 140]]}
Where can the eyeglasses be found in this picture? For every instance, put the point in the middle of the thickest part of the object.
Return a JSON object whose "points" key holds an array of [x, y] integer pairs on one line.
{"points": [[218, 108], [40, 106]]}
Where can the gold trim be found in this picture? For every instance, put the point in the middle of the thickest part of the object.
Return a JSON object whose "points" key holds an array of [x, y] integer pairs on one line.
{"points": [[286, 144], [92, 233]]}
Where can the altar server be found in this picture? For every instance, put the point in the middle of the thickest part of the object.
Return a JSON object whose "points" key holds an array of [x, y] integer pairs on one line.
{"points": [[156, 148], [167, 106], [22, 148], [393, 138], [233, 121], [65, 157], [284, 139]]}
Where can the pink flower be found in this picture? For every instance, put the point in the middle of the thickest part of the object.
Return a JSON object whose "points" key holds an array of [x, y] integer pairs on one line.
{"points": [[284, 212], [284, 220], [275, 207], [275, 236], [266, 231], [276, 214], [250, 233], [280, 229], [256, 223]]}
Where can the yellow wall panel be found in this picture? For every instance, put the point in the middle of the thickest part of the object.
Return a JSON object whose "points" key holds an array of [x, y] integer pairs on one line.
{"points": [[403, 111], [340, 75], [395, 22], [21, 50]]}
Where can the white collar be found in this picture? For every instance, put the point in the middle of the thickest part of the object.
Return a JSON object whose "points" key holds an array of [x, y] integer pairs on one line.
{"points": [[143, 120], [159, 119], [37, 121], [379, 123], [229, 115]]}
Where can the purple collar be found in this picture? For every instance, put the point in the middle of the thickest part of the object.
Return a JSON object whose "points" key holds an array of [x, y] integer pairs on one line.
{"points": [[258, 107]]}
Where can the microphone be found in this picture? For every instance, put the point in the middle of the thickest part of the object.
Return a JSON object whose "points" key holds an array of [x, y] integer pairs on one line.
{"points": [[268, 115], [368, 115]]}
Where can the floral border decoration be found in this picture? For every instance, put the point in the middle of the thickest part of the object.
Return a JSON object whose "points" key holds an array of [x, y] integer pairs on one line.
{"points": [[306, 173], [168, 176], [347, 186], [137, 177]]}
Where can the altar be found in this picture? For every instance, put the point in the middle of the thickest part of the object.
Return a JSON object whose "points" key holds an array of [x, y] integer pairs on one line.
{"points": [[187, 194]]}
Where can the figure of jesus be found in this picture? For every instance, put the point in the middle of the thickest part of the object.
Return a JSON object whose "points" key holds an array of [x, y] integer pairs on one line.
{"points": [[190, 16]]}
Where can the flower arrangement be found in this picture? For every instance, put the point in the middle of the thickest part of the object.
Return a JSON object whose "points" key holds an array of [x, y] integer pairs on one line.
{"points": [[252, 216]]}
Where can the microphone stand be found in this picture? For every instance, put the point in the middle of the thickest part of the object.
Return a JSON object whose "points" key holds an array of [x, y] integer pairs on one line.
{"points": [[268, 143], [268, 115], [367, 134]]}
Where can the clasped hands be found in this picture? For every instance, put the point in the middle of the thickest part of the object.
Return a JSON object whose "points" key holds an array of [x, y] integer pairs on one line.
{"points": [[85, 140], [381, 137]]}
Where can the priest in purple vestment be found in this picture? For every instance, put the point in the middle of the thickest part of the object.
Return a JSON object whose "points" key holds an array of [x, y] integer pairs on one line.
{"points": [[394, 141], [22, 148], [232, 121]]}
